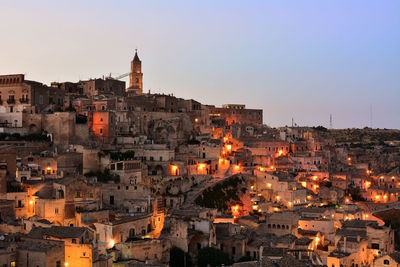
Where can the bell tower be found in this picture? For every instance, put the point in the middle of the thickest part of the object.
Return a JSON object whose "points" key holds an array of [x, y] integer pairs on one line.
{"points": [[135, 76]]}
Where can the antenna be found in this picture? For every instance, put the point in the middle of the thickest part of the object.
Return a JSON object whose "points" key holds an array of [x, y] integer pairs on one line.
{"points": [[330, 121], [292, 122], [370, 115]]}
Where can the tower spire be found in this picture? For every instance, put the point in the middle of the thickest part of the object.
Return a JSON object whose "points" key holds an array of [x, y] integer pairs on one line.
{"points": [[135, 76]]}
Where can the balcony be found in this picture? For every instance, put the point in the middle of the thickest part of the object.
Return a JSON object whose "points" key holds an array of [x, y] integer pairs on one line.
{"points": [[24, 100], [11, 101]]}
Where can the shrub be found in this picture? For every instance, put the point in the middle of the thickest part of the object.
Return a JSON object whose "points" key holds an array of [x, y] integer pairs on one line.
{"points": [[212, 257]]}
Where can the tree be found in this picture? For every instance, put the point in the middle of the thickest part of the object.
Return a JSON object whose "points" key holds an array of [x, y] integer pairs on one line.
{"points": [[212, 257], [177, 258], [355, 194], [105, 176]]}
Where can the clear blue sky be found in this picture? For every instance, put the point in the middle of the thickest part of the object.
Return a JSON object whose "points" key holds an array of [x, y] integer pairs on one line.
{"points": [[301, 59]]}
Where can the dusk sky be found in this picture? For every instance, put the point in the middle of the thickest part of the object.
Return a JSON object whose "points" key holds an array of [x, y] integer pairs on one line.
{"points": [[301, 59]]}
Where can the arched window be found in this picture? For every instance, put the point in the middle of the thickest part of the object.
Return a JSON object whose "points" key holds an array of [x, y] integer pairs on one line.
{"points": [[386, 262]]}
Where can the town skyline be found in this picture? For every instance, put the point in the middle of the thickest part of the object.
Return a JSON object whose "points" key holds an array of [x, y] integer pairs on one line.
{"points": [[199, 134], [331, 56]]}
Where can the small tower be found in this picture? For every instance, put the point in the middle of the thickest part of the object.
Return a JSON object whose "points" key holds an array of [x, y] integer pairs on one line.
{"points": [[135, 76]]}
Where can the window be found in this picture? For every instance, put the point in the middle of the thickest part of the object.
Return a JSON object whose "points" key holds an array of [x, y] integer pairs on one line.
{"points": [[58, 264], [56, 210], [41, 100], [386, 262], [374, 246], [73, 241]]}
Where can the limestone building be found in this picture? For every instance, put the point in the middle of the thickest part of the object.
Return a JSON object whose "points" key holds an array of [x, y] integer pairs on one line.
{"points": [[135, 77]]}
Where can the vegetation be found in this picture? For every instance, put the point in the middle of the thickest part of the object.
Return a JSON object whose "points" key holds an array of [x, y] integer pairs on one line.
{"points": [[130, 154], [27, 137], [221, 194], [355, 194], [212, 257], [177, 258], [366, 136], [320, 129], [105, 176]]}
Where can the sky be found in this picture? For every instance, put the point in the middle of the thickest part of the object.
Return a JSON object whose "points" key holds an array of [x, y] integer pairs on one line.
{"points": [[293, 59]]}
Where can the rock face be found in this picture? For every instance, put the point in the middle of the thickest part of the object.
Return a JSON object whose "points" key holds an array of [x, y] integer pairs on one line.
{"points": [[223, 195]]}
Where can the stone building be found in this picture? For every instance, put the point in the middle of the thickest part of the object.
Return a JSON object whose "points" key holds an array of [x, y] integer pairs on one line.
{"points": [[77, 242], [113, 231], [237, 114], [102, 125], [18, 95], [107, 86]]}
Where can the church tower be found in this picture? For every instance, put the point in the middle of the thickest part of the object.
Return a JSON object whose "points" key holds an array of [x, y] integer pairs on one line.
{"points": [[135, 77]]}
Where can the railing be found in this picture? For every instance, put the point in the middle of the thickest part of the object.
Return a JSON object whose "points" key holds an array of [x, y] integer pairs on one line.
{"points": [[24, 100], [11, 101]]}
